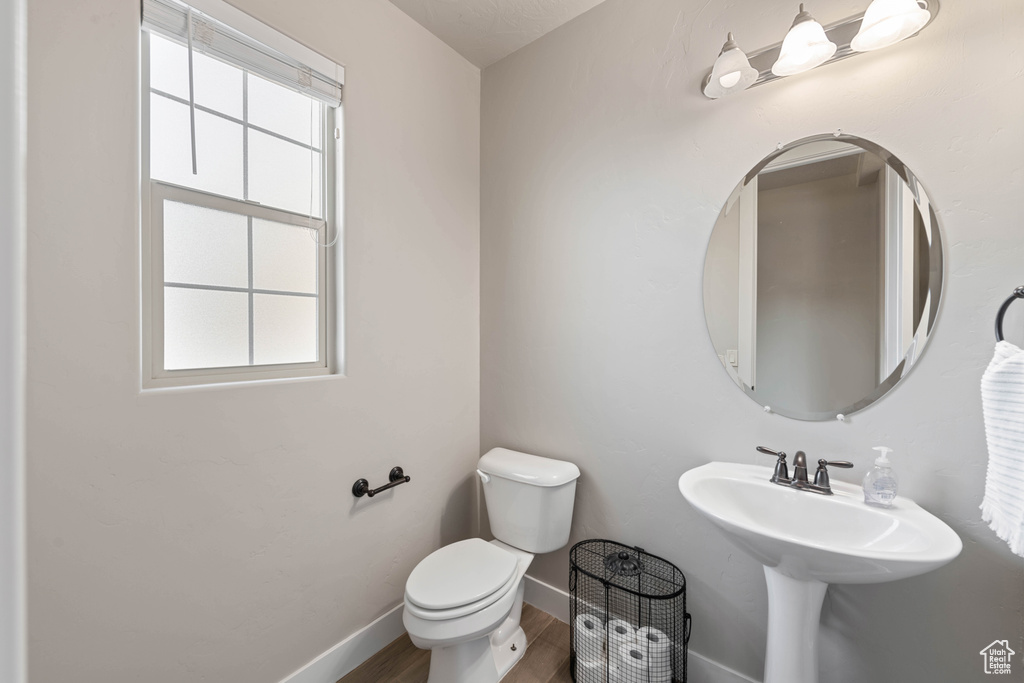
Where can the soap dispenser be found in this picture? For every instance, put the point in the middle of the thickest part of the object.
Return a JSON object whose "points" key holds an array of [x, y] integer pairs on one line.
{"points": [[880, 483]]}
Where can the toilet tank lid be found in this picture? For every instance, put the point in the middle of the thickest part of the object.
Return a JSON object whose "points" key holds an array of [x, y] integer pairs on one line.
{"points": [[528, 469]]}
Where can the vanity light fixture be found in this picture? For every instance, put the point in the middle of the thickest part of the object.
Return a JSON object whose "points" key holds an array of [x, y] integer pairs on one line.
{"points": [[809, 44], [887, 22], [805, 46], [732, 72]]}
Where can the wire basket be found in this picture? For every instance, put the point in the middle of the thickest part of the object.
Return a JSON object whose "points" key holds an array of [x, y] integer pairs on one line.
{"points": [[628, 619]]}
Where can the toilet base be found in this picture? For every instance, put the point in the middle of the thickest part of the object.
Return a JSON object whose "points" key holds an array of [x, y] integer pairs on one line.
{"points": [[509, 654], [485, 659]]}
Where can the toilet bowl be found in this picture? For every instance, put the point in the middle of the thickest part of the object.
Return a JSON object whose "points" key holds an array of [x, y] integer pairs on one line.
{"points": [[472, 642], [464, 601]]}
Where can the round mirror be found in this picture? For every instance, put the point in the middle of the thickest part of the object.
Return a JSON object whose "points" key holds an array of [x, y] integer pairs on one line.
{"points": [[822, 277]]}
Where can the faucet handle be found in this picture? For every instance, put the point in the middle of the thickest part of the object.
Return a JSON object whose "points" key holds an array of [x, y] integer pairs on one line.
{"points": [[821, 476], [781, 474], [845, 464]]}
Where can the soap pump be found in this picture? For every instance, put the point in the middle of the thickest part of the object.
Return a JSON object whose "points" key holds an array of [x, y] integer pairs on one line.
{"points": [[880, 483]]}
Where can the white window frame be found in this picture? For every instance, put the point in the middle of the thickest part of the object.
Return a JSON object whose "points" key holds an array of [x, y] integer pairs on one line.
{"points": [[154, 193]]}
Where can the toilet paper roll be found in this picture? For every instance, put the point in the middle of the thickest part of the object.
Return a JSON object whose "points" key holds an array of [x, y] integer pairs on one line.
{"points": [[620, 633], [589, 637], [630, 664], [658, 648], [592, 672]]}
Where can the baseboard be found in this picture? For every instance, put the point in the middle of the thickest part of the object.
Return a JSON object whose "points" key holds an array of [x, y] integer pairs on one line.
{"points": [[351, 652], [547, 598], [555, 602], [700, 668]]}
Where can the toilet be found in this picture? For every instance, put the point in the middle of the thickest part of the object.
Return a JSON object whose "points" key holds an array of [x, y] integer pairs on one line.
{"points": [[464, 601]]}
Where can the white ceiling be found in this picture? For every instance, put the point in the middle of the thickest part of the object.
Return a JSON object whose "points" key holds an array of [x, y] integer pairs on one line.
{"points": [[484, 31]]}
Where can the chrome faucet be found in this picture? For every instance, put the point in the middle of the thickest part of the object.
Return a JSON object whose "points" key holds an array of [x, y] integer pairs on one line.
{"points": [[799, 479]]}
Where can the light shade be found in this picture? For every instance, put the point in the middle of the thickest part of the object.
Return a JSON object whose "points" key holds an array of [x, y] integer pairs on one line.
{"points": [[888, 22], [732, 72], [805, 47]]}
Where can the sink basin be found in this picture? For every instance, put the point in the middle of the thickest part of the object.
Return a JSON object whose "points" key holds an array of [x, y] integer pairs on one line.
{"points": [[835, 539], [806, 541]]}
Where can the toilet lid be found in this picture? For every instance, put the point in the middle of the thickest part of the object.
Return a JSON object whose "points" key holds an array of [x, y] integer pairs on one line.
{"points": [[459, 574]]}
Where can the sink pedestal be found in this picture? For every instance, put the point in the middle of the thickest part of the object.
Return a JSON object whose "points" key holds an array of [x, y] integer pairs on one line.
{"points": [[794, 613]]}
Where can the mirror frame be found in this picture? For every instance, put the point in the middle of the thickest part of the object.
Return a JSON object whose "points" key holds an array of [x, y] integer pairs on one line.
{"points": [[936, 276]]}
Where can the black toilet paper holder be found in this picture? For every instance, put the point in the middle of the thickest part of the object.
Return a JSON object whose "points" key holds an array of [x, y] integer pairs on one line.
{"points": [[395, 477]]}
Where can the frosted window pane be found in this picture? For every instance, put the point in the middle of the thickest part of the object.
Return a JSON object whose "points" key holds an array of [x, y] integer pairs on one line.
{"points": [[284, 111], [279, 174], [168, 66], [284, 329], [205, 328], [217, 85], [205, 247], [284, 257], [218, 149]]}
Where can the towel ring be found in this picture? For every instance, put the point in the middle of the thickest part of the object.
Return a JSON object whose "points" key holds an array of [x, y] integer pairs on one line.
{"points": [[1018, 293]]}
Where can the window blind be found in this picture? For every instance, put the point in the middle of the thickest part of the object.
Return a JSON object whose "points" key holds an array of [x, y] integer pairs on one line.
{"points": [[169, 18]]}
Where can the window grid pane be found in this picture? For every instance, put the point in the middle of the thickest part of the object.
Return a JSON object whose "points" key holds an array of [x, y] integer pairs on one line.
{"points": [[218, 85], [184, 329], [284, 258], [204, 246], [283, 327], [218, 148], [293, 115], [168, 160], [204, 328], [288, 332], [284, 175], [202, 319]]}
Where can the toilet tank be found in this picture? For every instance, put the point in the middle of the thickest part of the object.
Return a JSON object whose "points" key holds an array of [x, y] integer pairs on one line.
{"points": [[529, 498]]}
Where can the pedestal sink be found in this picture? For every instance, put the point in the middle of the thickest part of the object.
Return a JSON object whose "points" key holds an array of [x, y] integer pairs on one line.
{"points": [[806, 541]]}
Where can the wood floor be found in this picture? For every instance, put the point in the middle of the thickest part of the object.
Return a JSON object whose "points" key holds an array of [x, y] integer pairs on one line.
{"points": [[546, 659]]}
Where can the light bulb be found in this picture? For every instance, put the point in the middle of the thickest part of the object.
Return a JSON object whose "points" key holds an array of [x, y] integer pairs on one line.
{"points": [[730, 79], [732, 72], [804, 47], [887, 22]]}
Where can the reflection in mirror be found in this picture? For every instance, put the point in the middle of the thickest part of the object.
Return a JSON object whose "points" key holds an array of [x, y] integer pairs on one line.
{"points": [[822, 277]]}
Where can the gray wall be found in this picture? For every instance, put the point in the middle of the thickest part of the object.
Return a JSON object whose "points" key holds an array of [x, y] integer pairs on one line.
{"points": [[210, 534], [818, 282], [603, 173]]}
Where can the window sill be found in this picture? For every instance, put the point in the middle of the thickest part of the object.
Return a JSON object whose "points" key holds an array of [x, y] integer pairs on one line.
{"points": [[189, 384]]}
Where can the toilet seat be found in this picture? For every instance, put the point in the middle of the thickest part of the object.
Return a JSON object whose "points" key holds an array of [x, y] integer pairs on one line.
{"points": [[440, 615], [460, 579]]}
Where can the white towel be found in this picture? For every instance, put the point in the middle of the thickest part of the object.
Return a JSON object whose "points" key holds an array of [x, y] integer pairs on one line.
{"points": [[1002, 400]]}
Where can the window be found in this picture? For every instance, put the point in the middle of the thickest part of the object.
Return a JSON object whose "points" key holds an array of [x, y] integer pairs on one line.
{"points": [[239, 202]]}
